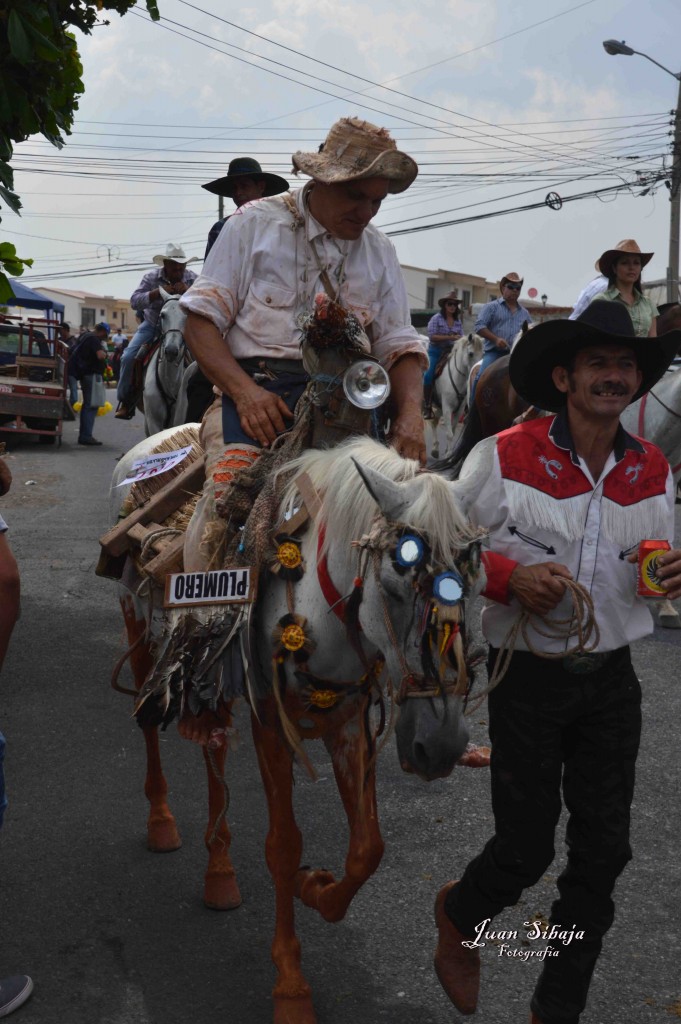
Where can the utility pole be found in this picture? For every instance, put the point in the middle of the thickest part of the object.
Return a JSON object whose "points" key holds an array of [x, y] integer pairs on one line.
{"points": [[221, 208], [675, 215], [613, 47]]}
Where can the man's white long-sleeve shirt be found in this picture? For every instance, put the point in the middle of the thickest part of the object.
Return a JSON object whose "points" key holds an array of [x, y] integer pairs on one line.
{"points": [[262, 274]]}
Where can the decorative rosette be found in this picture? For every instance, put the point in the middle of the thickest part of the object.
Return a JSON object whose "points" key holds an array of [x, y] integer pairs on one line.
{"points": [[288, 562]]}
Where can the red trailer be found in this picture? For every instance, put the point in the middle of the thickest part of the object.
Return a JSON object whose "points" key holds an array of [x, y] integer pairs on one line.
{"points": [[33, 378]]}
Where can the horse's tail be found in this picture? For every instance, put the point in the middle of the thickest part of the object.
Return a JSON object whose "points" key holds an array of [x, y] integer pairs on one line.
{"points": [[450, 465]]}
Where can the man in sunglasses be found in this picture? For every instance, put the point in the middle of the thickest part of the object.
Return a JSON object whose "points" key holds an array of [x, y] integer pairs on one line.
{"points": [[500, 321]]}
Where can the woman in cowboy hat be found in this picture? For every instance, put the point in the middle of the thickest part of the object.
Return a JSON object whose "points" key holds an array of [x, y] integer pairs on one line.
{"points": [[622, 266], [443, 330]]}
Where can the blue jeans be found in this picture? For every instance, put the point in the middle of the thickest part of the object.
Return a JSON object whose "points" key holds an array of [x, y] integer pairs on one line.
{"points": [[435, 353], [73, 390], [487, 359], [143, 335], [3, 798], [87, 413]]}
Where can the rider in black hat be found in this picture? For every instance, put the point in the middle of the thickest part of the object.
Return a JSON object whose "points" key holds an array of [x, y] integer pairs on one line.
{"points": [[245, 180]]}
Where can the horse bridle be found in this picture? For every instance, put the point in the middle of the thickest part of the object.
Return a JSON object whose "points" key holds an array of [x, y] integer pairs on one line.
{"points": [[459, 394], [371, 548]]}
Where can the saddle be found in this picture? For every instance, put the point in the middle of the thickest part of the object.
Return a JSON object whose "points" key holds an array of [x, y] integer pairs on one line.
{"points": [[442, 362]]}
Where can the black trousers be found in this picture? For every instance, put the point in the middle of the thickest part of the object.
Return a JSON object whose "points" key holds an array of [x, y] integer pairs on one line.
{"points": [[551, 729]]}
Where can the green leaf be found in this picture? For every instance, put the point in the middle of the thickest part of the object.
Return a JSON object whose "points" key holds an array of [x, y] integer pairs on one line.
{"points": [[8, 251], [44, 48], [11, 198], [152, 8], [19, 43], [6, 292], [6, 174]]}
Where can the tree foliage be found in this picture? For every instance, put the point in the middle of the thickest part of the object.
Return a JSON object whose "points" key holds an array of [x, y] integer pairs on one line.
{"points": [[40, 82]]}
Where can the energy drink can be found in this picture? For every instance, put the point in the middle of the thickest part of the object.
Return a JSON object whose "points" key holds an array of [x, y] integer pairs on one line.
{"points": [[649, 584]]}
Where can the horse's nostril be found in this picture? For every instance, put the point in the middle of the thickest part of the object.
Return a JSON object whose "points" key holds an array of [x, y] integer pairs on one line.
{"points": [[420, 757]]}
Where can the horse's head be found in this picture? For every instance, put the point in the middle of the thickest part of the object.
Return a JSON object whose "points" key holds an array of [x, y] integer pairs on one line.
{"points": [[171, 329], [474, 347], [422, 566]]}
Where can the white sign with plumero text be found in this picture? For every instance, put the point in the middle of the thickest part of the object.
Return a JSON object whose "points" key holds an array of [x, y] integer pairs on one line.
{"points": [[221, 586], [154, 465]]}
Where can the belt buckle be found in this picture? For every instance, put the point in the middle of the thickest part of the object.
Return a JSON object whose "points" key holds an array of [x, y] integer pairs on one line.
{"points": [[582, 663]]}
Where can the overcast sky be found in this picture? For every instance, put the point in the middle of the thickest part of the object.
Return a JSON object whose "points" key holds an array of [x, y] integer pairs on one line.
{"points": [[500, 104]]}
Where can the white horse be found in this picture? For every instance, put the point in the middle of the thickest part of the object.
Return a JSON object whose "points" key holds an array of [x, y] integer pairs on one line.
{"points": [[165, 372], [451, 389], [386, 568], [657, 418]]}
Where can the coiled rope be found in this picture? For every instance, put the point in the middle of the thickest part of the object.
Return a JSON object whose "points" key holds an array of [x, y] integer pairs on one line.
{"points": [[580, 624]]}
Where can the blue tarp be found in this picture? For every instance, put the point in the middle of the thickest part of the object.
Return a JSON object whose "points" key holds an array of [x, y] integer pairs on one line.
{"points": [[29, 299]]}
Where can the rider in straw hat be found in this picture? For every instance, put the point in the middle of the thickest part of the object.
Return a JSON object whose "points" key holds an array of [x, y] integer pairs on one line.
{"points": [[566, 500], [270, 261], [172, 275]]}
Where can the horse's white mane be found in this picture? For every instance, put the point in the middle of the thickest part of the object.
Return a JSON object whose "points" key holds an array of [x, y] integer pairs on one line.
{"points": [[348, 508]]}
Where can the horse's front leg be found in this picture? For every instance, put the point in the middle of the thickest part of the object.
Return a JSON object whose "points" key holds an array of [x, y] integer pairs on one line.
{"points": [[292, 994], [355, 772], [221, 891], [162, 834]]}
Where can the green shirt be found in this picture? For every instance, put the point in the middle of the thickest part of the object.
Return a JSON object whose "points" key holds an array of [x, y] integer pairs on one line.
{"points": [[642, 312]]}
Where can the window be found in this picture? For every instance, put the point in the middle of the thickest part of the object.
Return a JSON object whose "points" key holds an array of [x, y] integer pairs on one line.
{"points": [[430, 297], [114, 315], [102, 312], [466, 299], [87, 317]]}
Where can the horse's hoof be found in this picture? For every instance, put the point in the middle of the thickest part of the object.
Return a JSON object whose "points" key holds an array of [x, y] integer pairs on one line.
{"points": [[221, 892], [670, 621], [163, 837], [294, 1010], [309, 884]]}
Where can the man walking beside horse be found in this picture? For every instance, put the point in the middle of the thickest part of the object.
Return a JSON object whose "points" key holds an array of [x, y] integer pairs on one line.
{"points": [[566, 500]]}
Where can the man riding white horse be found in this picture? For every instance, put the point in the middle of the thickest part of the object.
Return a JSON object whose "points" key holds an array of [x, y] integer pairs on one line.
{"points": [[270, 261], [171, 275]]}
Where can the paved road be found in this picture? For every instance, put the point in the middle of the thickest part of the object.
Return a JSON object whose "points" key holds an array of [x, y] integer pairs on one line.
{"points": [[115, 935]]}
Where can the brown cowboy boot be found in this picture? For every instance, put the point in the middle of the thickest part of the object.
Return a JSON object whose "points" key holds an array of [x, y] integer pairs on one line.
{"points": [[534, 1019], [457, 967]]}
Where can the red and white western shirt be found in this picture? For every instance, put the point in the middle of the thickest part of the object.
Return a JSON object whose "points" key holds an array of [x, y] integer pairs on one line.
{"points": [[536, 497]]}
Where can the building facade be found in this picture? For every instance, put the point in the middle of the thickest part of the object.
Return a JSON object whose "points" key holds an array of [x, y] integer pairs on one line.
{"points": [[82, 310]]}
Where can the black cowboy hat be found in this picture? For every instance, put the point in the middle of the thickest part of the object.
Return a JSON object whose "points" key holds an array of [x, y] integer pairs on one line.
{"points": [[551, 343], [246, 167]]}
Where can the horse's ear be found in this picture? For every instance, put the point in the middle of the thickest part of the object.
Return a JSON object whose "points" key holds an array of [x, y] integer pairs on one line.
{"points": [[164, 294], [392, 498]]}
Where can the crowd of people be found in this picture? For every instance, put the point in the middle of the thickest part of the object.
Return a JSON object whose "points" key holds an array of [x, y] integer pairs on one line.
{"points": [[564, 728]]}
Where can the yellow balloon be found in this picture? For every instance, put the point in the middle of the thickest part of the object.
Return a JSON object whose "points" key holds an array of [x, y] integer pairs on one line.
{"points": [[104, 409]]}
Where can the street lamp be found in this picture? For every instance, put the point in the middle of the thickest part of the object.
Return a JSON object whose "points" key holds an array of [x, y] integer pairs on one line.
{"points": [[543, 299], [613, 47]]}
